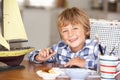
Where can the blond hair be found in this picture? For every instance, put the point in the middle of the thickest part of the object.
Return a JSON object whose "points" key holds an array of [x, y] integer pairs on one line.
{"points": [[74, 16]]}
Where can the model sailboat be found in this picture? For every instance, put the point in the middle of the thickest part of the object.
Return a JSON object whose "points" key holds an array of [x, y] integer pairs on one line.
{"points": [[12, 30]]}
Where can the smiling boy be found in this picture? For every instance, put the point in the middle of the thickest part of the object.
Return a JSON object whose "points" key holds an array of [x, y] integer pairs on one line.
{"points": [[75, 47]]}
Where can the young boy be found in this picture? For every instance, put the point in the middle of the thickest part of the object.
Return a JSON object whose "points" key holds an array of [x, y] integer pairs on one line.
{"points": [[75, 47]]}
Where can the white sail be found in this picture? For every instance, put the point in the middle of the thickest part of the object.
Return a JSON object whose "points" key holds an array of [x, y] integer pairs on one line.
{"points": [[12, 29], [4, 43], [13, 25]]}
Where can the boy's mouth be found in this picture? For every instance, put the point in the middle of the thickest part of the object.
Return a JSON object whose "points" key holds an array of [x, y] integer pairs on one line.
{"points": [[73, 40]]}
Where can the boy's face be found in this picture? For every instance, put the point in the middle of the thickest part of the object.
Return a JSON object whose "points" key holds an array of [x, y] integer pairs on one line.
{"points": [[73, 35]]}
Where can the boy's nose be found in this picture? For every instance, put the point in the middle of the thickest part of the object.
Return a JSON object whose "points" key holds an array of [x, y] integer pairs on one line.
{"points": [[70, 33]]}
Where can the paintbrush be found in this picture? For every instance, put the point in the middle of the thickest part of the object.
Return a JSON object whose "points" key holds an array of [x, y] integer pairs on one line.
{"points": [[99, 45], [112, 50], [100, 48]]}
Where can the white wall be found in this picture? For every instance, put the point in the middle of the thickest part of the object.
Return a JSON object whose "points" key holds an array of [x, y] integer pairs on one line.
{"points": [[41, 27], [85, 4]]}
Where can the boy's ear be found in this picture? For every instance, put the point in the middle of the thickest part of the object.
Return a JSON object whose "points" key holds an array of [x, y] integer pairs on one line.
{"points": [[88, 33], [60, 35]]}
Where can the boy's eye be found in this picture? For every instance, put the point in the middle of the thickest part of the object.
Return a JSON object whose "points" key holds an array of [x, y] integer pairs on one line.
{"points": [[64, 31], [75, 28]]}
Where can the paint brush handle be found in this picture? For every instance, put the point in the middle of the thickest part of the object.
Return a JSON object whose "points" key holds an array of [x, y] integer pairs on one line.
{"points": [[112, 50], [100, 48], [104, 49]]}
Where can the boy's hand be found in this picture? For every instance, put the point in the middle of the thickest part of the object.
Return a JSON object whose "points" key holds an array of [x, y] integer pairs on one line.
{"points": [[45, 54], [75, 62]]}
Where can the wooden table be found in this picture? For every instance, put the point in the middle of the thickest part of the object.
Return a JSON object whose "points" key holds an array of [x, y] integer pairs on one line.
{"points": [[27, 73]]}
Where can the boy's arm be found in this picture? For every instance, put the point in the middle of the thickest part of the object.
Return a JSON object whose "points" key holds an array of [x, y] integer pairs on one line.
{"points": [[92, 58], [91, 64], [32, 55]]}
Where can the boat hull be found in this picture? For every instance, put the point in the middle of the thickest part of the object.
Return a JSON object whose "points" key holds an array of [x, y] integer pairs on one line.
{"points": [[12, 60]]}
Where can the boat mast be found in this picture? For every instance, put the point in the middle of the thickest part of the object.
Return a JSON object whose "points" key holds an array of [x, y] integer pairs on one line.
{"points": [[2, 21]]}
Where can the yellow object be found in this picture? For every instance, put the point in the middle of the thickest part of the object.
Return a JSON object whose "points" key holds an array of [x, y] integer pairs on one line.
{"points": [[15, 52], [51, 71]]}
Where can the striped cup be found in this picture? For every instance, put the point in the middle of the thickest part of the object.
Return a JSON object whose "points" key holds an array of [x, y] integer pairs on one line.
{"points": [[108, 65]]}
